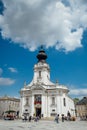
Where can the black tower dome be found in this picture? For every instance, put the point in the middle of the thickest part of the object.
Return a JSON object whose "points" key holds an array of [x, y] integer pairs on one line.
{"points": [[41, 55]]}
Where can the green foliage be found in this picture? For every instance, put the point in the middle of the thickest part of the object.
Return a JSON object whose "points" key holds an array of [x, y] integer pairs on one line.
{"points": [[76, 100]]}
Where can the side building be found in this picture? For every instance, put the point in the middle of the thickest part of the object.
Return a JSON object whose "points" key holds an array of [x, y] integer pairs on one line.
{"points": [[9, 104], [41, 97], [81, 107]]}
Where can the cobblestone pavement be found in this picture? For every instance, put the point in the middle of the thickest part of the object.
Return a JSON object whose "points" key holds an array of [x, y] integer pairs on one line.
{"points": [[42, 125]]}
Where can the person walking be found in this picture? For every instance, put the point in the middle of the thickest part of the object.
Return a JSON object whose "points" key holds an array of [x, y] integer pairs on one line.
{"points": [[57, 118]]}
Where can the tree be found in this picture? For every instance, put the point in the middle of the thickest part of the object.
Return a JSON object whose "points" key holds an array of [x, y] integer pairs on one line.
{"points": [[76, 100]]}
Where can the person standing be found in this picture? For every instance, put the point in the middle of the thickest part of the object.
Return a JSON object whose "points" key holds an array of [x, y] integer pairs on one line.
{"points": [[29, 118], [63, 118], [68, 115]]}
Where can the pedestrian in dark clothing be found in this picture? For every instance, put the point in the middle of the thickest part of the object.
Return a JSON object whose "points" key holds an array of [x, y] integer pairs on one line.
{"points": [[29, 118], [62, 117], [68, 116]]}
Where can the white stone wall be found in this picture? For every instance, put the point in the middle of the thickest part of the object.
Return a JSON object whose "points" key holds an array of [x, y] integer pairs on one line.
{"points": [[46, 108], [71, 107], [59, 105], [45, 73]]}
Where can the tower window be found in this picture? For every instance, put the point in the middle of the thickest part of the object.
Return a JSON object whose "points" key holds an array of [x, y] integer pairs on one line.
{"points": [[39, 74]]}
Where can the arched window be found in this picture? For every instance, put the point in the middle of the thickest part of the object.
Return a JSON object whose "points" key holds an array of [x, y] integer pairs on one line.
{"points": [[53, 100], [39, 74], [64, 101]]}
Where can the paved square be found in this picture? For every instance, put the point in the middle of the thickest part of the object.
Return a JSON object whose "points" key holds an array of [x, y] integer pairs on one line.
{"points": [[42, 125]]}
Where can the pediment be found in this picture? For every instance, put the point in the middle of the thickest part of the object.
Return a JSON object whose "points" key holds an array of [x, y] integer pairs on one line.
{"points": [[37, 87]]}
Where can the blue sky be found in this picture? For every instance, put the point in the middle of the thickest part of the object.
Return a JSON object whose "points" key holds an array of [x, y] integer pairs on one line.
{"points": [[26, 26]]}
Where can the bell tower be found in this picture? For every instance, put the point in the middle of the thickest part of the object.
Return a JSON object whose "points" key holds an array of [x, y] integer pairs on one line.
{"points": [[41, 69]]}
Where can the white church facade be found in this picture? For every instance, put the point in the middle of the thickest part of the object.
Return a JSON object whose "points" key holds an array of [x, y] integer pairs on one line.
{"points": [[41, 97]]}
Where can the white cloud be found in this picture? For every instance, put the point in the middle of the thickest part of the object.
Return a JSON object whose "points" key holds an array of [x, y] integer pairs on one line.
{"points": [[6, 81], [14, 70], [78, 92], [1, 71], [48, 22]]}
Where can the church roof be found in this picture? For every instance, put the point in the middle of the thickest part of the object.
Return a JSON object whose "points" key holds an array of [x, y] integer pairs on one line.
{"points": [[82, 101], [62, 87], [4, 98], [50, 86]]}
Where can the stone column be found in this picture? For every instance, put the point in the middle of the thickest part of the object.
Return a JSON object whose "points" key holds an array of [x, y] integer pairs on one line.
{"points": [[43, 108], [32, 106]]}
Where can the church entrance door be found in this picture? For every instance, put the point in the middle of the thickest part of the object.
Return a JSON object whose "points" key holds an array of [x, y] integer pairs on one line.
{"points": [[38, 112]]}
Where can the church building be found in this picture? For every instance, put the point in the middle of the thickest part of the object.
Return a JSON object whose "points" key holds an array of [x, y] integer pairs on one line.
{"points": [[41, 97]]}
